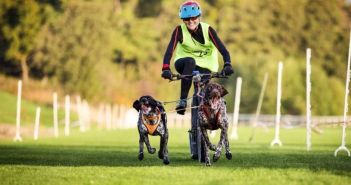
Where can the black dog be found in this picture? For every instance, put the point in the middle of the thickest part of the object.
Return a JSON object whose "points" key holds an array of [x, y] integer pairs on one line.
{"points": [[213, 115], [152, 121]]}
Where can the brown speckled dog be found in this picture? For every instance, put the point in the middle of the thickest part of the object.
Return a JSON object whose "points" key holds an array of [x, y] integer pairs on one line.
{"points": [[212, 116], [152, 121]]}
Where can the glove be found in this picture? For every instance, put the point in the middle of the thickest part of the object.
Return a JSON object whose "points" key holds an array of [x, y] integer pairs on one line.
{"points": [[227, 69], [166, 74]]}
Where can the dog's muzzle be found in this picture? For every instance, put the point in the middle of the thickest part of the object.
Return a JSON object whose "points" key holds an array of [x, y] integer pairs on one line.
{"points": [[145, 109], [214, 98]]}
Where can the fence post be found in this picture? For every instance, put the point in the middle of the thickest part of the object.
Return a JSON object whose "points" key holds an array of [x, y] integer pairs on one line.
{"points": [[86, 114], [234, 134], [36, 124], [80, 116], [67, 114], [18, 113], [308, 99], [343, 139], [114, 116], [108, 116], [259, 105], [55, 107], [100, 116], [276, 139]]}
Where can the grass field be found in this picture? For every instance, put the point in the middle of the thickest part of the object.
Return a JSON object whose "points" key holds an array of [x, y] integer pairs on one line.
{"points": [[8, 111], [110, 157]]}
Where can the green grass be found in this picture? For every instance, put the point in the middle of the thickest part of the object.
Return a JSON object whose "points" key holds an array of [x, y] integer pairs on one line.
{"points": [[8, 108], [110, 157]]}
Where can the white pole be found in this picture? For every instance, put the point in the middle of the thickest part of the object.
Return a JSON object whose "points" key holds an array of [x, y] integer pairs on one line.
{"points": [[343, 140], [120, 122], [56, 131], [108, 116], [18, 114], [276, 139], [86, 114], [308, 99], [100, 116], [80, 116], [67, 114], [89, 117], [36, 125], [123, 114], [176, 121], [234, 134], [258, 109], [120, 116], [114, 117]]}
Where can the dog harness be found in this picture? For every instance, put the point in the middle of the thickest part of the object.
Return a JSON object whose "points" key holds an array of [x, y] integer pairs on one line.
{"points": [[213, 118], [150, 123]]}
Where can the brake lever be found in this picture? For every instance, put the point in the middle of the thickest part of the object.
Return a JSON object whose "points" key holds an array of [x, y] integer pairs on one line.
{"points": [[222, 75]]}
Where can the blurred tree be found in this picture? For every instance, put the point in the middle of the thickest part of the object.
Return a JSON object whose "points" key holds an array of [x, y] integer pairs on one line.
{"points": [[104, 53], [326, 31], [19, 27], [117, 6], [148, 8], [72, 46], [20, 23]]}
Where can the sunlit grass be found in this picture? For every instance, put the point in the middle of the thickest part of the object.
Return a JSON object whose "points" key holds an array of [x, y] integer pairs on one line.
{"points": [[110, 157], [8, 107]]}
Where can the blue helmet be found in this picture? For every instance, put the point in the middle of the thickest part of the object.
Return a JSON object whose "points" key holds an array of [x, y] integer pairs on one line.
{"points": [[189, 9]]}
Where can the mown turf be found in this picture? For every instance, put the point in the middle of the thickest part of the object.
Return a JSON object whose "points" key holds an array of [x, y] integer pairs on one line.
{"points": [[110, 157]]}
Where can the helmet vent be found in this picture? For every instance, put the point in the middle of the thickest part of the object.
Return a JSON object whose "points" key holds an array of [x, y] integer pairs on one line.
{"points": [[189, 9]]}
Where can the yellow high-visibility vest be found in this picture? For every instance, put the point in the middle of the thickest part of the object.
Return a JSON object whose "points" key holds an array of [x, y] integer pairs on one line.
{"points": [[205, 55]]}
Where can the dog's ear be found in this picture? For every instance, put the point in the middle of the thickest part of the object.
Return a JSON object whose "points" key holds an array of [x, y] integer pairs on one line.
{"points": [[152, 101], [137, 105], [223, 91], [160, 106]]}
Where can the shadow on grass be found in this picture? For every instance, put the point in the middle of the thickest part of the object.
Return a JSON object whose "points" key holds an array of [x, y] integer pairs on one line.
{"points": [[107, 156]]}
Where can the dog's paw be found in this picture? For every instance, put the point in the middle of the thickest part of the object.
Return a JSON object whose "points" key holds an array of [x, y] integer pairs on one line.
{"points": [[215, 157], [141, 156], [160, 154], [212, 147], [166, 161], [207, 163], [152, 150], [194, 157], [228, 155]]}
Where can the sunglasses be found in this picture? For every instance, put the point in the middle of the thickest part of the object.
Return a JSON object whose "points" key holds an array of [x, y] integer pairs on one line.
{"points": [[190, 18]]}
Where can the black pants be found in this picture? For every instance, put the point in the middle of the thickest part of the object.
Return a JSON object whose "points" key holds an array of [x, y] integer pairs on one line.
{"points": [[186, 66]]}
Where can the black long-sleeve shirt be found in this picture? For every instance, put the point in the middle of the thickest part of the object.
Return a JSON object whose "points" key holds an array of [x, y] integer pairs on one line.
{"points": [[177, 36]]}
